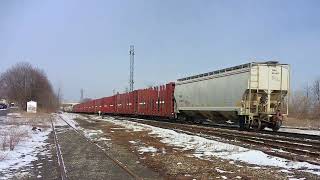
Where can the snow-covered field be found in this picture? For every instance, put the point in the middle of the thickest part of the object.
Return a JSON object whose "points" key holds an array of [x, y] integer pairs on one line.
{"points": [[205, 148], [30, 144]]}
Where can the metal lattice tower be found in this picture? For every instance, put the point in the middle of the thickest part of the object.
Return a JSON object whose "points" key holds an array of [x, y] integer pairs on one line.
{"points": [[81, 94], [131, 81]]}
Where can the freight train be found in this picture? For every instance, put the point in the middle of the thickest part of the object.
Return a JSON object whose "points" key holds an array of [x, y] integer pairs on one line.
{"points": [[253, 95]]}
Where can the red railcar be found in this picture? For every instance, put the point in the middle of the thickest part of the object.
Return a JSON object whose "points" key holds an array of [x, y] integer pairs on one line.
{"points": [[156, 101], [166, 101], [125, 103], [90, 105], [108, 105], [146, 100]]}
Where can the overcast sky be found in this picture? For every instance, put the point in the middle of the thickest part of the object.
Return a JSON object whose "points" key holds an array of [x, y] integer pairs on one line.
{"points": [[85, 44]]}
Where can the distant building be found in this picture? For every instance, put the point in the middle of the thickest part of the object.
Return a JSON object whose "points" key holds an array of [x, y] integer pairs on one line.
{"points": [[32, 107], [67, 106]]}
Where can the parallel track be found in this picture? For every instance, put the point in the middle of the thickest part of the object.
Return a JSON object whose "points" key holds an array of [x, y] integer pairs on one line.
{"points": [[117, 162], [300, 149], [278, 133]]}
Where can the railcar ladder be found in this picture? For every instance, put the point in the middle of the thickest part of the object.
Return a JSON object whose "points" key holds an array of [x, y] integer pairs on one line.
{"points": [[254, 78]]}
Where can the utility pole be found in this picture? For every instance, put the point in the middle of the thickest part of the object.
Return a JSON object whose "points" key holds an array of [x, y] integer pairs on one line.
{"points": [[81, 95], [131, 81]]}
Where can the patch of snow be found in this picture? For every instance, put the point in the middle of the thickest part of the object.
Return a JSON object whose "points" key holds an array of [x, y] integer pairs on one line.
{"points": [[206, 148], [300, 131], [147, 149], [222, 171], [285, 171], [14, 114], [68, 117], [92, 133], [104, 139], [164, 151], [25, 151]]}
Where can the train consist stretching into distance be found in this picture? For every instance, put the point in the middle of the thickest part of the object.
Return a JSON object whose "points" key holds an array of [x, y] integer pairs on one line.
{"points": [[254, 95]]}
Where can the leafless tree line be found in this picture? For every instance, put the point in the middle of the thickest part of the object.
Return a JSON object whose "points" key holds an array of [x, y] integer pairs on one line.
{"points": [[305, 103], [23, 82]]}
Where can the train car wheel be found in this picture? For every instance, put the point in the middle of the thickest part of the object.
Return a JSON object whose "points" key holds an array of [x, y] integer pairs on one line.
{"points": [[277, 126], [256, 124]]}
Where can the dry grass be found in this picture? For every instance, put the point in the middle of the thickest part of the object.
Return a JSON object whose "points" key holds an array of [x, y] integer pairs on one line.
{"points": [[41, 120], [299, 122], [2, 156], [11, 137]]}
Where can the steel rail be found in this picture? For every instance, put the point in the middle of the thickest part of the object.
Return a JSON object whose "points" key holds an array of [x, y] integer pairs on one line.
{"points": [[117, 162], [62, 167]]}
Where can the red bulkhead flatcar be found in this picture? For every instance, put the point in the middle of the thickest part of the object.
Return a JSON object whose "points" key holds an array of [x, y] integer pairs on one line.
{"points": [[108, 105]]}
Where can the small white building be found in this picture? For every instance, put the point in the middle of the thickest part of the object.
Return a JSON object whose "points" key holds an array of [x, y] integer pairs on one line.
{"points": [[32, 107]]}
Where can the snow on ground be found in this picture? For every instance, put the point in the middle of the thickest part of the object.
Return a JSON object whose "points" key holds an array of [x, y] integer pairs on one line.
{"points": [[206, 148], [14, 114], [31, 144], [89, 133], [300, 131], [92, 134], [147, 149], [69, 117]]}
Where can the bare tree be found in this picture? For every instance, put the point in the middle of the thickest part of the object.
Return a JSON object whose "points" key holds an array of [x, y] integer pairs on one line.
{"points": [[299, 104], [22, 83], [316, 90], [305, 104], [316, 98]]}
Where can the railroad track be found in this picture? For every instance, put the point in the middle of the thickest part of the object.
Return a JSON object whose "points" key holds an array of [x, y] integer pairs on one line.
{"points": [[62, 167], [298, 149], [278, 133]]}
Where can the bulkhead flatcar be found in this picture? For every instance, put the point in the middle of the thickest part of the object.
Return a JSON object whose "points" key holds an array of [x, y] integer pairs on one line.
{"points": [[151, 102]]}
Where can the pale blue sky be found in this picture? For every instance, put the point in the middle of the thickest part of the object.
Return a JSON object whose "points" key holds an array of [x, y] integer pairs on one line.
{"points": [[84, 44]]}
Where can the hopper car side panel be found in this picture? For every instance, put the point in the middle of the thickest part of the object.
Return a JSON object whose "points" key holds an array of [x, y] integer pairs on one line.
{"points": [[254, 94]]}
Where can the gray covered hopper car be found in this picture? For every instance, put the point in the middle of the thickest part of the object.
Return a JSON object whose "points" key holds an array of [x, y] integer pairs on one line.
{"points": [[255, 95]]}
